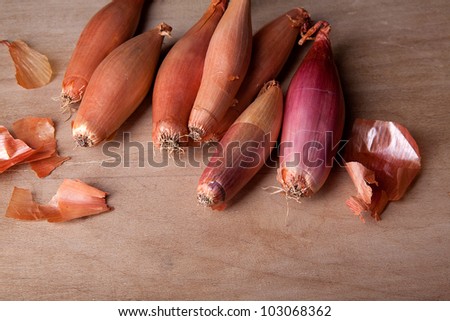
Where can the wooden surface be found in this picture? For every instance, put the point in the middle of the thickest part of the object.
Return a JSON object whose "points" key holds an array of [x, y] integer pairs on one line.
{"points": [[394, 61]]}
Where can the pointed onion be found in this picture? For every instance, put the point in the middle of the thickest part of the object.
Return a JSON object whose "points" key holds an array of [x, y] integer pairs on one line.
{"points": [[226, 64], [313, 120], [179, 77], [243, 150], [118, 86], [281, 33], [106, 30]]}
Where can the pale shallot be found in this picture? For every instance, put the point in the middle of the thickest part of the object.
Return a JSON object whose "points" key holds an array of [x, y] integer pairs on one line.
{"points": [[226, 64], [106, 30]]}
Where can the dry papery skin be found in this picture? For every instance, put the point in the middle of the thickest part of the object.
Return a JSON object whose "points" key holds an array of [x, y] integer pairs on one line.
{"points": [[33, 69], [382, 160], [12, 151], [74, 199], [35, 144], [39, 134]]}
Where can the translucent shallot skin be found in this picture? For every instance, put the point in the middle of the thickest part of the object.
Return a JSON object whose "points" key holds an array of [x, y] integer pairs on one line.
{"points": [[313, 121]]}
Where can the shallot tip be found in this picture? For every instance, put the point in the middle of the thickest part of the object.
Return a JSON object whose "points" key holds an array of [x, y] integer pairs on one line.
{"points": [[319, 27], [83, 141], [165, 30], [196, 133]]}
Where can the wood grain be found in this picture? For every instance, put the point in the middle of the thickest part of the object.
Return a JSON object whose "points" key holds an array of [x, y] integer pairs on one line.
{"points": [[394, 62]]}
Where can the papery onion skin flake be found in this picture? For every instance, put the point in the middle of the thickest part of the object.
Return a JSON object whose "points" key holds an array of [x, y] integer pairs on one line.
{"points": [[33, 69], [382, 159]]}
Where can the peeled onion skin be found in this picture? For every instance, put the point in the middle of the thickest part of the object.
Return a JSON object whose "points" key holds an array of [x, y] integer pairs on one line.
{"points": [[12, 151], [33, 69], [74, 199], [382, 159]]}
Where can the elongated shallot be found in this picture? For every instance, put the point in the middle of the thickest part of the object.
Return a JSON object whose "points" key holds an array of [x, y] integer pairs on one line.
{"points": [[118, 86], [106, 30], [243, 150], [266, 62], [226, 64], [179, 77], [313, 120]]}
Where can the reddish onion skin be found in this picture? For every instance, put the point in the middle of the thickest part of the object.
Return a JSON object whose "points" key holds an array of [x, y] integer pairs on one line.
{"points": [[226, 63], [179, 77], [107, 29], [118, 86], [314, 110], [254, 132], [382, 159], [281, 33], [12, 151]]}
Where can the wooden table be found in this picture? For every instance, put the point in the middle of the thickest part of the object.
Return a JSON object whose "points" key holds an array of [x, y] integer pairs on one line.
{"points": [[394, 61]]}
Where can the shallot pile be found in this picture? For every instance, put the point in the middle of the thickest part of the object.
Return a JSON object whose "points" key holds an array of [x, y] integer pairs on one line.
{"points": [[218, 83]]}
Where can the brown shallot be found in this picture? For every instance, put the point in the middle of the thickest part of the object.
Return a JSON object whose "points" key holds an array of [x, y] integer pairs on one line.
{"points": [[313, 120], [243, 150], [74, 199], [266, 62], [382, 160], [118, 86], [33, 69], [179, 77], [226, 64], [106, 30]]}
